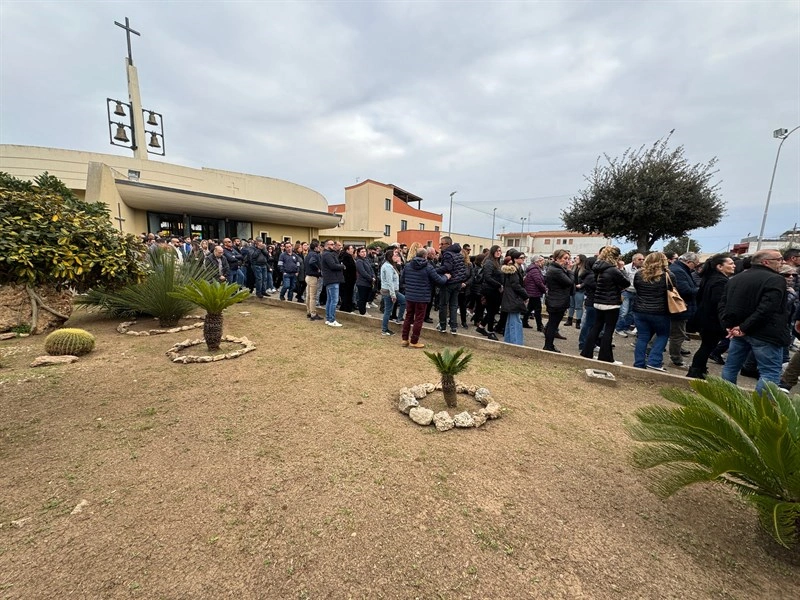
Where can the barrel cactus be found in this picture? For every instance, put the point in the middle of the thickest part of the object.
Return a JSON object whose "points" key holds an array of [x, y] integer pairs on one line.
{"points": [[69, 341]]}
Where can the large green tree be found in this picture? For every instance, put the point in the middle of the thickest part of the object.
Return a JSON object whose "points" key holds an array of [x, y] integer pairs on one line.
{"points": [[681, 245], [647, 195], [52, 240]]}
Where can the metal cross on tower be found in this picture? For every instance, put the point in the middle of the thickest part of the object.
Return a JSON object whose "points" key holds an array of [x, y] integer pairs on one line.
{"points": [[128, 32]]}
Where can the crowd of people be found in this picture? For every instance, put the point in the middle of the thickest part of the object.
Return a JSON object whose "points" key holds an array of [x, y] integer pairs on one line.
{"points": [[746, 308]]}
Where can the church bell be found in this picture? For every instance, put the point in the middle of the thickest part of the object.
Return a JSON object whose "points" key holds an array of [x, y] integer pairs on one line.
{"points": [[121, 136], [154, 141]]}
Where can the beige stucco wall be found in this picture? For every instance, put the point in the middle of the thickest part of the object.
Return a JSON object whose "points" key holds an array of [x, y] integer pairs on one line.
{"points": [[26, 162], [366, 210]]}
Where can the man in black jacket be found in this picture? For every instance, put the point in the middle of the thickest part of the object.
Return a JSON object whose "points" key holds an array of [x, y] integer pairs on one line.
{"points": [[753, 311]]}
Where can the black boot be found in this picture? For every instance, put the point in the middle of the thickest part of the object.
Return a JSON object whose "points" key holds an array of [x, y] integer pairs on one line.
{"points": [[577, 323], [569, 322], [695, 373]]}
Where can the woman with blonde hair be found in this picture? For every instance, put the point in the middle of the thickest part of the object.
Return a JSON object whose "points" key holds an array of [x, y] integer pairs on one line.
{"points": [[610, 282], [650, 312], [412, 251]]}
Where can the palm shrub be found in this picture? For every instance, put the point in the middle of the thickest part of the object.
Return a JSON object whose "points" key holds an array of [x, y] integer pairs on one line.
{"points": [[719, 432], [449, 364], [213, 297], [152, 295]]}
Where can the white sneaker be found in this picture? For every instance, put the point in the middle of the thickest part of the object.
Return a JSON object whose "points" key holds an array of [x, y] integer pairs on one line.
{"points": [[617, 362], [335, 324], [621, 333]]}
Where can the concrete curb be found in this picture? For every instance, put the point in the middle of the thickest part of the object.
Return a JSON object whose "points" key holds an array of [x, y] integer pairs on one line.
{"points": [[621, 372]]}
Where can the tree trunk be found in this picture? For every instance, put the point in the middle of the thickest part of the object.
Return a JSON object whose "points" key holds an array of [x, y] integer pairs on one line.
{"points": [[168, 321], [642, 242], [449, 391], [212, 330]]}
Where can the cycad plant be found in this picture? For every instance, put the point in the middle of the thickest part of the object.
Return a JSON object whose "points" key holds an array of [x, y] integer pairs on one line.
{"points": [[719, 432], [152, 295], [213, 297], [449, 364]]}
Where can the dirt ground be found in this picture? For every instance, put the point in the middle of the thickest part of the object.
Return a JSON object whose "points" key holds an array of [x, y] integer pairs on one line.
{"points": [[289, 473]]}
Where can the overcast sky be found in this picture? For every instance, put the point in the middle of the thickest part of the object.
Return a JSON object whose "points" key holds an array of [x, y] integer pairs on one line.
{"points": [[509, 103]]}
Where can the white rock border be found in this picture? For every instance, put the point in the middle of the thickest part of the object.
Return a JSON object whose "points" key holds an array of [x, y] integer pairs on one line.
{"points": [[125, 327], [173, 355], [409, 405]]}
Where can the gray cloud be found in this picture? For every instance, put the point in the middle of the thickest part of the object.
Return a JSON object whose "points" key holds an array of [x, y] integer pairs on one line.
{"points": [[505, 102]]}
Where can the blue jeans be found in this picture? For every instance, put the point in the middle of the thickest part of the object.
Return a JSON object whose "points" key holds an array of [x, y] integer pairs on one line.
{"points": [[589, 315], [260, 273], [513, 334], [625, 319], [332, 291], [387, 309], [269, 284], [768, 357], [289, 282], [576, 306], [647, 326], [448, 305]]}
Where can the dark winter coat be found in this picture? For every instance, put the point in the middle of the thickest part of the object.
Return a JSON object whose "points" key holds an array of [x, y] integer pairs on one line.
{"points": [[289, 263], [259, 257], [514, 294], [651, 296], [312, 264], [332, 269], [224, 270], [712, 289], [453, 263], [350, 273], [492, 278], [687, 288], [755, 301], [418, 277], [534, 282], [588, 282], [234, 258], [610, 283], [559, 287], [366, 276]]}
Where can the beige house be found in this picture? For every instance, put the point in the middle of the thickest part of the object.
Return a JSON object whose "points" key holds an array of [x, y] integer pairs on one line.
{"points": [[152, 196], [547, 242], [374, 211]]}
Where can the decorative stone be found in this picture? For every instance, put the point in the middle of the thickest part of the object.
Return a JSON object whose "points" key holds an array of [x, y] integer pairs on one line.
{"points": [[173, 355], [8, 336], [409, 404], [443, 421], [406, 404], [419, 392], [482, 395], [45, 361], [464, 419], [421, 416], [493, 410], [79, 507], [479, 418]]}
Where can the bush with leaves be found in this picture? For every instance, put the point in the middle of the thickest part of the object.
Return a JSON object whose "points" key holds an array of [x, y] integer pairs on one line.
{"points": [[50, 237], [449, 364], [151, 296], [747, 441], [213, 297]]}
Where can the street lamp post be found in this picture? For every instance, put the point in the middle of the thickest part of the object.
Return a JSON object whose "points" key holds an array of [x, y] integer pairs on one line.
{"points": [[781, 134], [523, 219], [494, 212], [450, 226]]}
